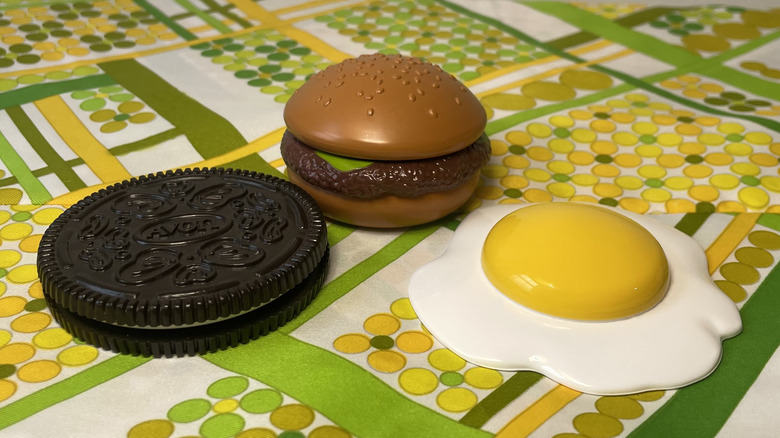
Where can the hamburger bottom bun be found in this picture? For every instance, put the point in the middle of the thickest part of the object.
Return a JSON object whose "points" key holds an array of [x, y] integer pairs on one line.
{"points": [[388, 211]]}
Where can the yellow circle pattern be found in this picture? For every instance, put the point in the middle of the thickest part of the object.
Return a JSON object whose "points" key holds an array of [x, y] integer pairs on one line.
{"points": [[382, 324], [389, 347], [38, 371], [292, 417], [386, 361], [226, 405], [7, 389], [640, 154], [414, 342], [352, 343], [77, 355], [483, 378], [418, 381], [456, 399], [31, 322], [402, 308], [21, 301], [445, 360], [52, 338]]}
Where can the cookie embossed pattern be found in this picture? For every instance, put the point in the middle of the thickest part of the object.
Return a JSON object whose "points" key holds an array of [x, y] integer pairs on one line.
{"points": [[185, 262]]}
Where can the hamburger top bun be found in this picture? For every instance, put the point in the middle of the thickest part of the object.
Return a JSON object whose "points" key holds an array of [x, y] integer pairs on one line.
{"points": [[380, 107]]}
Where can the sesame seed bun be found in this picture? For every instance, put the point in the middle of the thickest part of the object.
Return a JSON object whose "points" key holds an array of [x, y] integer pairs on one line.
{"points": [[385, 107]]}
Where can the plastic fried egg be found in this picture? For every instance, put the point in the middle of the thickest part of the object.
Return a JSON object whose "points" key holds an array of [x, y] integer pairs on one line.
{"points": [[602, 301]]}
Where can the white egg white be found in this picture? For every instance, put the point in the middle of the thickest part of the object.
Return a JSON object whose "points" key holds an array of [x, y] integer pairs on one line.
{"points": [[675, 343]]}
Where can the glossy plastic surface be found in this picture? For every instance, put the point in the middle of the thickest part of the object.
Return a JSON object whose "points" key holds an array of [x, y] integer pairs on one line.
{"points": [[576, 261], [675, 343], [388, 211], [385, 107]]}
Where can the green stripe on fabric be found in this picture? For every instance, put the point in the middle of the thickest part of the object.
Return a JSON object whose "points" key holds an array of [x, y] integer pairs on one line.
{"points": [[639, 83], [497, 400], [654, 47], [337, 232], [573, 40], [510, 30], [54, 162], [453, 223], [770, 220], [254, 162], [174, 26], [145, 143], [716, 61], [214, 7], [67, 388], [701, 410], [208, 132], [345, 393], [16, 5], [747, 82], [211, 21], [226, 10], [117, 151], [31, 93], [643, 16], [507, 122], [11, 180], [634, 82], [350, 279], [607, 29], [38, 173], [635, 19], [748, 46], [16, 165], [691, 222]]}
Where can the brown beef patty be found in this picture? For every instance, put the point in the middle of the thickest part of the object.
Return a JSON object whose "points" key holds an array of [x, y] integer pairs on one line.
{"points": [[406, 179]]}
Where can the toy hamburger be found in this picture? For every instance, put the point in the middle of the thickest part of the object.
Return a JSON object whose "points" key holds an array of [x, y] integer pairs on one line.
{"points": [[385, 141]]}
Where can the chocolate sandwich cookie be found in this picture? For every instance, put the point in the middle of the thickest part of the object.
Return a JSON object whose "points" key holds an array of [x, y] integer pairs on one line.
{"points": [[184, 262]]}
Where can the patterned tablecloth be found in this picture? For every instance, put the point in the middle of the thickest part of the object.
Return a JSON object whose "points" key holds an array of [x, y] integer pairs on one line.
{"points": [[671, 110]]}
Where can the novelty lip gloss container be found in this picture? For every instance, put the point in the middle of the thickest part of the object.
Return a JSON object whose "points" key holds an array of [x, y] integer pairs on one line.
{"points": [[600, 300], [385, 141]]}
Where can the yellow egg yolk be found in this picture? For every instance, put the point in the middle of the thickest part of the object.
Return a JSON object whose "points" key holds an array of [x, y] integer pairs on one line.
{"points": [[576, 261]]}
